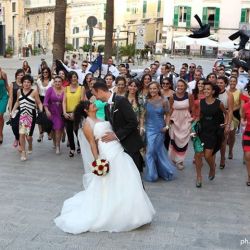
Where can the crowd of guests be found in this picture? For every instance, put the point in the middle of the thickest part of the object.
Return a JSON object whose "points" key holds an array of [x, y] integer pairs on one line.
{"points": [[170, 108]]}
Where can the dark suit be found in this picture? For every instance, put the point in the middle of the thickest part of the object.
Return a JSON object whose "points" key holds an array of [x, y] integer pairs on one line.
{"points": [[124, 123]]}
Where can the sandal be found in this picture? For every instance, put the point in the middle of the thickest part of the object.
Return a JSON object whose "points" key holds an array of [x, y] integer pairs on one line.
{"points": [[40, 139], [198, 183], [23, 156], [78, 150], [222, 166], [248, 182], [71, 153], [230, 156]]}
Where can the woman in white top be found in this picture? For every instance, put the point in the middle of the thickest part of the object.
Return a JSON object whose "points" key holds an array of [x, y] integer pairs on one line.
{"points": [[43, 84], [227, 99]]}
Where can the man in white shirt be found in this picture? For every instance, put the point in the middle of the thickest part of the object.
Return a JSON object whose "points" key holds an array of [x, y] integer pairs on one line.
{"points": [[165, 72], [80, 72], [109, 68], [192, 84]]}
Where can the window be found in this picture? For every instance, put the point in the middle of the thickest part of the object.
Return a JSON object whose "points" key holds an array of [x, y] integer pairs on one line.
{"points": [[182, 16], [144, 8], [159, 8], [14, 7], [211, 15], [245, 16], [75, 30]]}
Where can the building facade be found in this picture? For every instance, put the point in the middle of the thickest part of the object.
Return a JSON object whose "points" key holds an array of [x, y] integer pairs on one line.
{"points": [[225, 17], [11, 25]]}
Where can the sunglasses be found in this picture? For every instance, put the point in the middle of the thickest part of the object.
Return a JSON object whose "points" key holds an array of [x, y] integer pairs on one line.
{"points": [[84, 65], [165, 83], [191, 67]]}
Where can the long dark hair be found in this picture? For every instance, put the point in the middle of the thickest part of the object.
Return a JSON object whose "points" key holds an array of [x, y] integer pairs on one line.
{"points": [[85, 84], [247, 87], [142, 81], [196, 89], [136, 82], [49, 73], [80, 113]]}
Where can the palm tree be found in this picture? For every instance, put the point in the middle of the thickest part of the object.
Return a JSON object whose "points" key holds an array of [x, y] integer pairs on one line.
{"points": [[59, 31], [109, 29]]}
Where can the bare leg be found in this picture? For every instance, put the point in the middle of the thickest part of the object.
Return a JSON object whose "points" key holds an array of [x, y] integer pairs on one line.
{"points": [[58, 137], [210, 158], [22, 146], [231, 141], [1, 127], [29, 139], [223, 152], [198, 166], [247, 160]]}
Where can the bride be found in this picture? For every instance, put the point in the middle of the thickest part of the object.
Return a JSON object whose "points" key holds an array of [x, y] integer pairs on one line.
{"points": [[116, 202]]}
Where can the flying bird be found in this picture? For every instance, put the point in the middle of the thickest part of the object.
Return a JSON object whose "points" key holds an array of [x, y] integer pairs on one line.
{"points": [[203, 31], [244, 37]]}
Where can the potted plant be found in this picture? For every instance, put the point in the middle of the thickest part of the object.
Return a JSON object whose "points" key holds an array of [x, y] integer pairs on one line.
{"points": [[8, 52]]}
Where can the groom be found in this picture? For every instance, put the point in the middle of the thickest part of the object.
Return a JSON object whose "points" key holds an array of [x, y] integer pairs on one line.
{"points": [[119, 112]]}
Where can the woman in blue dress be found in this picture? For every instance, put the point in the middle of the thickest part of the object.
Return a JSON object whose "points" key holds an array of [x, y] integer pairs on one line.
{"points": [[4, 89], [156, 123]]}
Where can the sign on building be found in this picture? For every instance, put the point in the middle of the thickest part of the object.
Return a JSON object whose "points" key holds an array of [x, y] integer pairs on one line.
{"points": [[140, 35]]}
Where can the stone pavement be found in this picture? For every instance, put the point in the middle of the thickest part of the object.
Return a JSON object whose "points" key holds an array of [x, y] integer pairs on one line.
{"points": [[32, 193]]}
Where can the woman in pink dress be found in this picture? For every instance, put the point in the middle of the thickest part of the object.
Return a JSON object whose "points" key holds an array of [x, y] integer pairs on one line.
{"points": [[53, 108], [180, 117]]}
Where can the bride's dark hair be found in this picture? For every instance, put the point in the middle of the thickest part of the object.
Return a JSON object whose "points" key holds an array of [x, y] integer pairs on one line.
{"points": [[80, 113]]}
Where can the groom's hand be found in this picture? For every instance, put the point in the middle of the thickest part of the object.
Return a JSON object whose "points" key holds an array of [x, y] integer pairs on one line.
{"points": [[109, 136]]}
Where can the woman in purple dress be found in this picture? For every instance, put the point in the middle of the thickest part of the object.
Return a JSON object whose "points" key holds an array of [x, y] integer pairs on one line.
{"points": [[53, 108]]}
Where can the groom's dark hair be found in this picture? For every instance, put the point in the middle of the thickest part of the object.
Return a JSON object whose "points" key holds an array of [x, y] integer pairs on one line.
{"points": [[100, 84]]}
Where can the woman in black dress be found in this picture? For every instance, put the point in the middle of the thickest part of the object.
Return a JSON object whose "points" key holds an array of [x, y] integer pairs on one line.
{"points": [[212, 123]]}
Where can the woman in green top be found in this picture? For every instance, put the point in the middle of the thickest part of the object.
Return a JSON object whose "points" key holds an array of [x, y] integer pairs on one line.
{"points": [[100, 114], [4, 90]]}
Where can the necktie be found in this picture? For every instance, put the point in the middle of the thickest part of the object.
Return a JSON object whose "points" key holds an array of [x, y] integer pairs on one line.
{"points": [[108, 69]]}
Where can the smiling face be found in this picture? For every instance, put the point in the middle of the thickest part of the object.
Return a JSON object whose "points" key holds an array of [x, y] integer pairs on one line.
{"points": [[109, 81], [121, 85], [154, 90], [181, 87], [208, 91], [221, 84], [146, 81], [19, 77], [27, 84], [165, 84], [132, 88], [233, 83], [58, 82], [62, 74], [200, 85]]}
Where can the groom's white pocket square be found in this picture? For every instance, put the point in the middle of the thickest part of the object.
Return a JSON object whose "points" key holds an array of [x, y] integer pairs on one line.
{"points": [[116, 110]]}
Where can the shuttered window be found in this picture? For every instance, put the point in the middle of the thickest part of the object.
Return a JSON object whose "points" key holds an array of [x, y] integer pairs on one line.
{"points": [[188, 19], [217, 18], [176, 16], [243, 17], [144, 8]]}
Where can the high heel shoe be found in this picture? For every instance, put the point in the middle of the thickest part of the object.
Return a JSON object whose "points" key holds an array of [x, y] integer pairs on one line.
{"points": [[198, 183], [71, 153], [23, 156], [40, 139], [58, 150], [248, 182]]}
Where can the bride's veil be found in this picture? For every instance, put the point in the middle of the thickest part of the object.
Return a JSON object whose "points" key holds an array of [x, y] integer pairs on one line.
{"points": [[87, 156]]}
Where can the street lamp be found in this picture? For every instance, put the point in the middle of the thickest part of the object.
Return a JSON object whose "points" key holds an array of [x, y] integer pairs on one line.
{"points": [[13, 32], [118, 30]]}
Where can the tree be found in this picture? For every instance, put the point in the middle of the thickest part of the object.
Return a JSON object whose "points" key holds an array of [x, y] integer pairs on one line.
{"points": [[109, 29], [59, 31]]}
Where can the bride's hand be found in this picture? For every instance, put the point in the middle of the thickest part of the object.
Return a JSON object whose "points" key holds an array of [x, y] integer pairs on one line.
{"points": [[109, 136]]}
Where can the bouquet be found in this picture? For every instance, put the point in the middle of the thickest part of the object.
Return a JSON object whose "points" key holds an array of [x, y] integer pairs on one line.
{"points": [[100, 167]]}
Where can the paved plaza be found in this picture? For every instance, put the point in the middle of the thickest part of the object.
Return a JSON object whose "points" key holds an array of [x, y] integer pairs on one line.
{"points": [[217, 216]]}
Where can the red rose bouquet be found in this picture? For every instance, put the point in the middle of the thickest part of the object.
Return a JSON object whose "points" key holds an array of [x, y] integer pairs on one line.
{"points": [[100, 167]]}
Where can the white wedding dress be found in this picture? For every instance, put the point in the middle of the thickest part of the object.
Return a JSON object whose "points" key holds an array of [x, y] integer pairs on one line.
{"points": [[116, 202]]}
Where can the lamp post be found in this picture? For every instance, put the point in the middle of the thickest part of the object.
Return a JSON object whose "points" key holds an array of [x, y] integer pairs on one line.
{"points": [[118, 30], [13, 32]]}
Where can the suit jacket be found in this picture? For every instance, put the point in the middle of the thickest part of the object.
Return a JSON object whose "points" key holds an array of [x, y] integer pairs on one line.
{"points": [[124, 123]]}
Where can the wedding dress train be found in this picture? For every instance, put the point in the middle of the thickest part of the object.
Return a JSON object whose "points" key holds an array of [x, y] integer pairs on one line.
{"points": [[115, 202]]}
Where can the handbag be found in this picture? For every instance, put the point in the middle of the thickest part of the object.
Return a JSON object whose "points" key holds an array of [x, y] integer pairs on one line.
{"points": [[45, 122]]}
